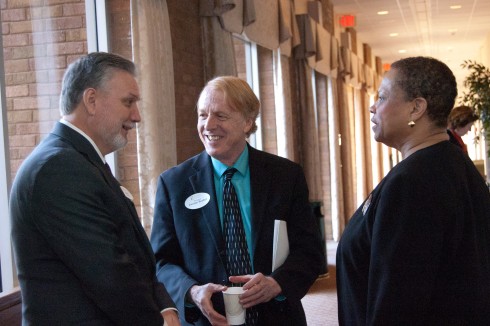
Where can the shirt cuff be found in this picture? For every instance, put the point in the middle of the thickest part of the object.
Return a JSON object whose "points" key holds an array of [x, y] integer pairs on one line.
{"points": [[171, 308]]}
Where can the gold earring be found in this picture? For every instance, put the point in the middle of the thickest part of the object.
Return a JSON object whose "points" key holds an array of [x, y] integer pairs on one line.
{"points": [[411, 123]]}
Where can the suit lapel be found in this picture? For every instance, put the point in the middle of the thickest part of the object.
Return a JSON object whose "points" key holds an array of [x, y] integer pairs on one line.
{"points": [[260, 180], [203, 181], [83, 146], [116, 186], [137, 226]]}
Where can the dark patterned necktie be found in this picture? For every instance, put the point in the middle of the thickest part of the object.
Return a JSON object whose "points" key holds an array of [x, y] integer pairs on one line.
{"points": [[237, 256]]}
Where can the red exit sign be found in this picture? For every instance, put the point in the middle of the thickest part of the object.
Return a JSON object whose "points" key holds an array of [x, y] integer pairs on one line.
{"points": [[347, 21]]}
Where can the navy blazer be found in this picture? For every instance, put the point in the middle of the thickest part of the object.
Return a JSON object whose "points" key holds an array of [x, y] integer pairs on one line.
{"points": [[82, 254], [189, 244]]}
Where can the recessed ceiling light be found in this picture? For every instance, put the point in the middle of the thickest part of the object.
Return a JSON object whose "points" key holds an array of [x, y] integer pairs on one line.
{"points": [[384, 12], [402, 51], [393, 34], [452, 31], [455, 7]]}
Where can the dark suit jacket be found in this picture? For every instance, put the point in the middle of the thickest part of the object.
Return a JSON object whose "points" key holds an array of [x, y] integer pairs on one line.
{"points": [[417, 251], [82, 255], [189, 244]]}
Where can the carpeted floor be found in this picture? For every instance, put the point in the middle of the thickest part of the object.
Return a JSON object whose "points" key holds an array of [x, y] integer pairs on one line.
{"points": [[320, 303]]}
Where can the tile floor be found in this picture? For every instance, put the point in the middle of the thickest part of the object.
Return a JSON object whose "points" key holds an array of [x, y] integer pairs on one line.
{"points": [[320, 303]]}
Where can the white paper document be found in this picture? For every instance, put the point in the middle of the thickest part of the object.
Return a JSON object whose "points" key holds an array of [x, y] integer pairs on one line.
{"points": [[280, 246]]}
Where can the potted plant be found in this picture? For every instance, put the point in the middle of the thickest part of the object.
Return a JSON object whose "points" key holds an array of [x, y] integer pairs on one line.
{"points": [[477, 94]]}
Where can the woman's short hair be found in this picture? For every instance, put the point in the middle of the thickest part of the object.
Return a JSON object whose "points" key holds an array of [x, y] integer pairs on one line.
{"points": [[430, 79], [89, 71], [460, 116], [238, 95]]}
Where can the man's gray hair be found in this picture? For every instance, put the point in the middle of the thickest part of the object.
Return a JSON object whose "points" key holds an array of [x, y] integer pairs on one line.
{"points": [[90, 71]]}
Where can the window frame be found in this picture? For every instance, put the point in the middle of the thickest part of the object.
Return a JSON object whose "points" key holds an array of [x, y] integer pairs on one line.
{"points": [[252, 67], [8, 274]]}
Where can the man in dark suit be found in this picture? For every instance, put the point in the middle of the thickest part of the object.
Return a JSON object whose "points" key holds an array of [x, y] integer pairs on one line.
{"points": [[82, 254], [187, 234]]}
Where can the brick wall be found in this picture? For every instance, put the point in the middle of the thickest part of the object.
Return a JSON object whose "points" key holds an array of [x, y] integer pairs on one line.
{"points": [[295, 108], [39, 41], [267, 101], [241, 65], [187, 51]]}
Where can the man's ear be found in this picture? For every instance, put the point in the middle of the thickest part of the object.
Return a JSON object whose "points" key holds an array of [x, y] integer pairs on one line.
{"points": [[419, 108], [248, 125], [89, 99]]}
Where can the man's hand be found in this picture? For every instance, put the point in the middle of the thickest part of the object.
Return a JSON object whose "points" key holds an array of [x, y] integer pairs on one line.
{"points": [[170, 318], [201, 295], [258, 288]]}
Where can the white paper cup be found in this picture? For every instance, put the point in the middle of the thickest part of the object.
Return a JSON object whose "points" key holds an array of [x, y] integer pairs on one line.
{"points": [[235, 313]]}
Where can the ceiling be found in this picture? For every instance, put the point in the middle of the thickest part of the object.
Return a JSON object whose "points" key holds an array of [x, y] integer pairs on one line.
{"points": [[424, 27]]}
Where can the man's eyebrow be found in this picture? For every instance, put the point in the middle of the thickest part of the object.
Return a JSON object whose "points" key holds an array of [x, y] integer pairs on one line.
{"points": [[133, 96]]}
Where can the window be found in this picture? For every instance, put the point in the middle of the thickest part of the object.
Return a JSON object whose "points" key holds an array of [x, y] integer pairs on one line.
{"points": [[247, 69], [39, 41]]}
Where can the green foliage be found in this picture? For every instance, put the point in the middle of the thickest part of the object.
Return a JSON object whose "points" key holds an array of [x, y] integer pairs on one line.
{"points": [[477, 95]]}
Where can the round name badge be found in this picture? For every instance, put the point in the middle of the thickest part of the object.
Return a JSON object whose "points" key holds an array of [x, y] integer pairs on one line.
{"points": [[197, 200], [127, 193]]}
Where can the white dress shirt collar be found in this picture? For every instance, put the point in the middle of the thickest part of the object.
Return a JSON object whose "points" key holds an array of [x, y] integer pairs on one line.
{"points": [[68, 124]]}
